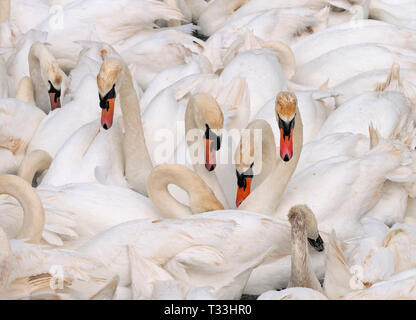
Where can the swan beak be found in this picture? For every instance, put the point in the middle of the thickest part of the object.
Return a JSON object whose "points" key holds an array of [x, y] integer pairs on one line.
{"points": [[54, 97], [244, 186], [286, 145], [210, 154], [107, 113], [317, 244]]}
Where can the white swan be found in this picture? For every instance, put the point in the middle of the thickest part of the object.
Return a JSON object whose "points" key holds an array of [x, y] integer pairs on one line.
{"points": [[303, 281], [351, 33], [353, 184], [340, 64], [199, 251], [49, 81], [267, 196], [95, 20], [385, 110], [18, 124], [393, 79]]}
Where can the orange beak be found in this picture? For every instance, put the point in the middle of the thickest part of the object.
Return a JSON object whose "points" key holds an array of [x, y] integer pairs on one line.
{"points": [[243, 191], [107, 114], [210, 154], [55, 100], [286, 145]]}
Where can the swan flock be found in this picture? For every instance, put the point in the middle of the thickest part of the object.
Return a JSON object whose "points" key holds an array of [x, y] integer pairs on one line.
{"points": [[207, 149]]}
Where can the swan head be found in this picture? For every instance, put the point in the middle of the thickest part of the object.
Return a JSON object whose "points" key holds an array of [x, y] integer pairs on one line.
{"points": [[107, 81], [246, 164], [303, 219], [209, 117], [51, 75], [54, 82], [286, 106]]}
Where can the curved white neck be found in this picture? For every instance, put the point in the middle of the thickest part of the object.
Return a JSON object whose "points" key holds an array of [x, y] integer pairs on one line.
{"points": [[202, 199], [138, 162], [34, 216], [35, 162], [25, 91], [4, 11], [266, 197], [38, 58]]}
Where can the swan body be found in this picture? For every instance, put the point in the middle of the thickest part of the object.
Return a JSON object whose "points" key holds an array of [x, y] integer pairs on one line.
{"points": [[18, 124], [383, 110], [262, 72], [363, 178], [202, 253], [60, 124], [94, 20], [351, 33], [285, 25], [394, 79], [400, 13], [340, 64], [29, 270], [166, 49]]}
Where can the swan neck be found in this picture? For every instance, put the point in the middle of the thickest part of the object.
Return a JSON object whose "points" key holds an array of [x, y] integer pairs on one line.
{"points": [[25, 91], [302, 274], [34, 216], [35, 162], [138, 161], [4, 11], [201, 196]]}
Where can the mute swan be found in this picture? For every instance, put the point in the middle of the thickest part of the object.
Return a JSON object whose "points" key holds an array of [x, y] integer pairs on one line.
{"points": [[358, 184], [201, 251], [399, 12], [28, 268], [96, 20], [315, 107], [266, 197], [263, 73], [49, 81], [283, 25], [340, 64], [17, 62], [18, 124], [58, 223], [351, 33], [113, 80], [393, 79], [383, 109], [219, 12], [342, 282], [303, 230], [166, 49], [202, 199]]}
